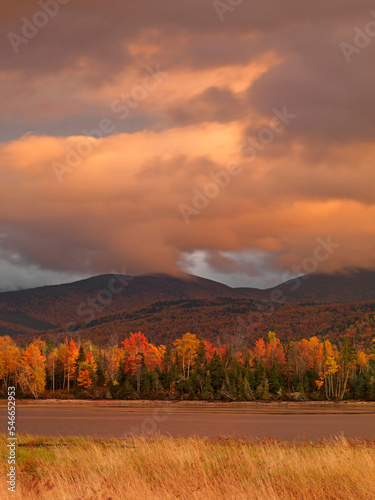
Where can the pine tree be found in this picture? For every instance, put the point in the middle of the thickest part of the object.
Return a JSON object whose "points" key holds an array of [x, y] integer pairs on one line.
{"points": [[275, 379], [80, 359], [217, 372]]}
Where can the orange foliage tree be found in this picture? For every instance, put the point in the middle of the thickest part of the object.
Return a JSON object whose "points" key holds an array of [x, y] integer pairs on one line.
{"points": [[136, 348], [87, 371]]}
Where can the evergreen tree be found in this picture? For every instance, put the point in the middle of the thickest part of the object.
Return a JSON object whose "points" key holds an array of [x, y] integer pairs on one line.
{"points": [[217, 372], [80, 359], [275, 379]]}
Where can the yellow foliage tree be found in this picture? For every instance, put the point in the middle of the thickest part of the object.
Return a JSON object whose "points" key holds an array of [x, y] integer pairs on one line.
{"points": [[10, 358], [32, 377], [187, 349]]}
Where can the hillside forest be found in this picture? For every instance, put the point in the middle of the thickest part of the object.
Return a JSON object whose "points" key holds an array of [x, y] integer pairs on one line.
{"points": [[190, 368]]}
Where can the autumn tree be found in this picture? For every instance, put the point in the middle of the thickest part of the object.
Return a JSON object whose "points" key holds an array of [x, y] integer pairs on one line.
{"points": [[32, 376], [136, 348], [193, 368], [187, 349], [112, 361], [337, 368], [275, 354], [86, 372], [70, 356], [78, 361], [52, 359], [10, 357]]}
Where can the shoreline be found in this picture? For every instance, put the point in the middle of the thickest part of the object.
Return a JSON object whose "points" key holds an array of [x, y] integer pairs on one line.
{"points": [[224, 405]]}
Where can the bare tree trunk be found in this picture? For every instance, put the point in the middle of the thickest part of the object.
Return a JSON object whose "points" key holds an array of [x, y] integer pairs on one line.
{"points": [[138, 378], [345, 384]]}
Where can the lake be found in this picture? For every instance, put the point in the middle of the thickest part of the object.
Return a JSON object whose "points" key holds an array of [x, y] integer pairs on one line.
{"points": [[290, 425]]}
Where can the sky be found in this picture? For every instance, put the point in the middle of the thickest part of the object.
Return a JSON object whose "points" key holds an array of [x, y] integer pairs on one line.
{"points": [[228, 139]]}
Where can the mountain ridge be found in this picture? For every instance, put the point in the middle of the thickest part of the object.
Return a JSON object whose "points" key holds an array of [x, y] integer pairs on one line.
{"points": [[81, 302]]}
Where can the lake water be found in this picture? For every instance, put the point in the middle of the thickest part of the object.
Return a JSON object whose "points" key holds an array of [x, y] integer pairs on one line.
{"points": [[289, 425]]}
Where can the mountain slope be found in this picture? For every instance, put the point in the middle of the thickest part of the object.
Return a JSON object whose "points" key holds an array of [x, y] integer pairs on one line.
{"points": [[356, 286], [83, 300], [116, 300]]}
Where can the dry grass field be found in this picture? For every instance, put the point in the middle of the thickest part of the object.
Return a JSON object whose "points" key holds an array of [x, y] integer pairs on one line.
{"points": [[159, 468]]}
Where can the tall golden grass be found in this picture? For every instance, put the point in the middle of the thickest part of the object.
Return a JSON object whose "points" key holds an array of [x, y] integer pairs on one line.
{"points": [[160, 468]]}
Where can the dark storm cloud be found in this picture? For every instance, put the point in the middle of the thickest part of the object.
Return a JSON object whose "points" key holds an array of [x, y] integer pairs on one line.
{"points": [[119, 206]]}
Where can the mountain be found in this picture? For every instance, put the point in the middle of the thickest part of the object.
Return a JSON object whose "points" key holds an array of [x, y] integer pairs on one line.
{"points": [[165, 306], [51, 307], [352, 286]]}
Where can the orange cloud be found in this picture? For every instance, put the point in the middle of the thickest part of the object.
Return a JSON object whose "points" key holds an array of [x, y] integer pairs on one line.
{"points": [[120, 205], [119, 200]]}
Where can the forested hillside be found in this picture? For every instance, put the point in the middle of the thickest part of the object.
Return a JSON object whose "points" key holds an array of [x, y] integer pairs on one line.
{"points": [[163, 307], [190, 368]]}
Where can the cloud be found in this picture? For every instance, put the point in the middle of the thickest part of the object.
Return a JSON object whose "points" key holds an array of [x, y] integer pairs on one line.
{"points": [[119, 205], [16, 276]]}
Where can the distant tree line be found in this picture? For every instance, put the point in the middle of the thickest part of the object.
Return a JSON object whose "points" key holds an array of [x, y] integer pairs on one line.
{"points": [[190, 368]]}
